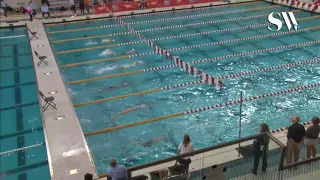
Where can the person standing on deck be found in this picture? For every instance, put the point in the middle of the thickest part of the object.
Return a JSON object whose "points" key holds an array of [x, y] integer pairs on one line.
{"points": [[295, 135], [312, 135], [81, 5], [4, 7], [73, 7], [87, 5], [117, 172], [260, 148]]}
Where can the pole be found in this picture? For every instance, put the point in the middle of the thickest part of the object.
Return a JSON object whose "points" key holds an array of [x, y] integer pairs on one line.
{"points": [[240, 117]]}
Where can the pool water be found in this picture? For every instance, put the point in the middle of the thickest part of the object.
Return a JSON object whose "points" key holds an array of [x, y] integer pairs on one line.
{"points": [[20, 118], [154, 141]]}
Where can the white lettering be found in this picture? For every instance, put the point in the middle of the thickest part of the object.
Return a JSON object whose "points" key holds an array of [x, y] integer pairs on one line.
{"points": [[289, 20]]}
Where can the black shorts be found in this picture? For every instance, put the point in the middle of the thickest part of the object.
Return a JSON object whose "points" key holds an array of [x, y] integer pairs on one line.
{"points": [[184, 162], [81, 5], [73, 7]]}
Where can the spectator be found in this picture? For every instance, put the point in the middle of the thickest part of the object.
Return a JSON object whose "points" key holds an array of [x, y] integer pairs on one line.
{"points": [[45, 10], [73, 7], [33, 7], [260, 148], [45, 1], [30, 11], [185, 147], [296, 133], [4, 7], [117, 172], [88, 176], [87, 5], [81, 5], [311, 140]]}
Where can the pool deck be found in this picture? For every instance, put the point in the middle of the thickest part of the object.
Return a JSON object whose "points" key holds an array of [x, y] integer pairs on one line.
{"points": [[68, 154]]}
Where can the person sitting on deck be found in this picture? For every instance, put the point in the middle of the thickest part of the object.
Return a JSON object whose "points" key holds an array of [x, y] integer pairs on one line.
{"points": [[117, 172]]}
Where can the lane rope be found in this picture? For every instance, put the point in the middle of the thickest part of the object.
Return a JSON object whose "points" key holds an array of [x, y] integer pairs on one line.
{"points": [[239, 39], [201, 109], [202, 15], [184, 10], [21, 149], [90, 37], [94, 61], [207, 22], [82, 29], [10, 37], [125, 33], [196, 34], [77, 22], [229, 29], [198, 82], [166, 19], [285, 128], [195, 62]]}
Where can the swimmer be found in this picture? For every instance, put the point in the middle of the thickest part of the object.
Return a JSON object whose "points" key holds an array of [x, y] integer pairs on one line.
{"points": [[129, 65], [107, 68], [108, 40], [130, 110], [149, 143], [132, 51], [107, 52], [114, 87]]}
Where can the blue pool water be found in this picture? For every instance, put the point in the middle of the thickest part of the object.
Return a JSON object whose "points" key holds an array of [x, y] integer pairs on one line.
{"points": [[20, 118], [154, 141]]}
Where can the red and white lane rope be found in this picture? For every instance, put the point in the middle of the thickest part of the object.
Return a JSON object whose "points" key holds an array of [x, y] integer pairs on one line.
{"points": [[232, 55], [181, 85], [255, 52], [271, 68], [284, 129], [171, 11], [239, 39], [209, 32], [185, 66], [188, 17], [200, 23], [21, 149], [252, 98], [188, 35]]}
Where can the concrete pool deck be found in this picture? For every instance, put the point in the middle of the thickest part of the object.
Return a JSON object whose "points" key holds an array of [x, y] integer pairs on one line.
{"points": [[67, 150]]}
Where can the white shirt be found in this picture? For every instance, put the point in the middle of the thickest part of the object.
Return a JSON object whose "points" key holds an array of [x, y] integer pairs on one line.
{"points": [[3, 4], [71, 2], [185, 149], [45, 9]]}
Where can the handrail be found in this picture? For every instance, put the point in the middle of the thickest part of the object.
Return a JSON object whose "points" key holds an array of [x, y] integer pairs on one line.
{"points": [[218, 146], [288, 166]]}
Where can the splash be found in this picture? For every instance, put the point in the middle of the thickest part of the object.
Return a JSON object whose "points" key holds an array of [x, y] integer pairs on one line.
{"points": [[105, 69], [107, 52], [89, 43], [71, 92]]}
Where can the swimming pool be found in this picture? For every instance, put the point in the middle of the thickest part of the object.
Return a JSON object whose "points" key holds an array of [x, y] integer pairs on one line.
{"points": [[20, 118], [94, 66]]}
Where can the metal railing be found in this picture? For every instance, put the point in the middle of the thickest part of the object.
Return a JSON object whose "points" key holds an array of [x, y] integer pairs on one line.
{"points": [[131, 170]]}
